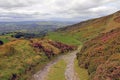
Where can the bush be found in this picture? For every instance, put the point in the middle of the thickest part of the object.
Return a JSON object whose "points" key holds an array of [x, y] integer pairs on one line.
{"points": [[1, 42], [51, 48]]}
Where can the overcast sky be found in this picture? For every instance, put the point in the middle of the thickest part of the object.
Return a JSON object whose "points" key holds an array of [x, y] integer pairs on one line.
{"points": [[63, 10]]}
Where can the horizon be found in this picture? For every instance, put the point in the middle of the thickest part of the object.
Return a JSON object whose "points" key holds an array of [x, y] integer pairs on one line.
{"points": [[74, 21]]}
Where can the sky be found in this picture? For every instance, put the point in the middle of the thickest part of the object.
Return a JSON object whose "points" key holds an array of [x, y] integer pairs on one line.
{"points": [[56, 10]]}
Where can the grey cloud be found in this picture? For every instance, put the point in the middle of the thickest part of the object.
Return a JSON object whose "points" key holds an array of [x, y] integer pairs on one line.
{"points": [[57, 9], [7, 4]]}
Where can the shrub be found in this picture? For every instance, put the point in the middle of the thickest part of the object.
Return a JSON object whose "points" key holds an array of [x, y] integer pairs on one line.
{"points": [[1, 42], [51, 48]]}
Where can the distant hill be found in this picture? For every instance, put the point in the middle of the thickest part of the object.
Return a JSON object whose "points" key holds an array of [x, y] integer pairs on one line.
{"points": [[32, 26]]}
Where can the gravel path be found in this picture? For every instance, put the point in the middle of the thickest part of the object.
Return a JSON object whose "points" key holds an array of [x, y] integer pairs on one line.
{"points": [[70, 73], [42, 74]]}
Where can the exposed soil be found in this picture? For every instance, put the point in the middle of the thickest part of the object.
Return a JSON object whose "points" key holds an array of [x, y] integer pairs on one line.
{"points": [[70, 73]]}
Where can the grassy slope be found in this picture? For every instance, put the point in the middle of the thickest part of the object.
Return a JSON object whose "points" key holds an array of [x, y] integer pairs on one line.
{"points": [[84, 32], [101, 56], [64, 38], [5, 38], [16, 57], [20, 58], [57, 71], [81, 72]]}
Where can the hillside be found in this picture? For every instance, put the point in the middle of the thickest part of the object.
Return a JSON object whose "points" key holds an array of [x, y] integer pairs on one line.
{"points": [[86, 30], [100, 38], [21, 58], [101, 56]]}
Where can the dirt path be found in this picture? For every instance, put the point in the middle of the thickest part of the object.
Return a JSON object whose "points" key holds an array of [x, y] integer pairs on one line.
{"points": [[70, 73], [42, 74]]}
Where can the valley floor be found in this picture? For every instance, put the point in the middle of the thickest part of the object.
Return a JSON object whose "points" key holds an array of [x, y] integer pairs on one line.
{"points": [[63, 68]]}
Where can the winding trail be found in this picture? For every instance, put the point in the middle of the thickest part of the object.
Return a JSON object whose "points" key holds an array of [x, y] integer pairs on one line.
{"points": [[70, 73]]}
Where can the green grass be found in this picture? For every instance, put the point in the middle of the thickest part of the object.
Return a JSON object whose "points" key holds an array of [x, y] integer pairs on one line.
{"points": [[75, 38], [81, 72], [5, 40], [57, 71], [64, 38], [20, 60]]}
